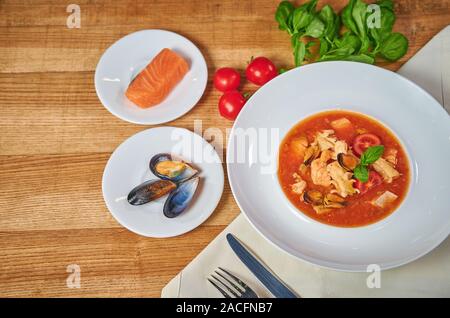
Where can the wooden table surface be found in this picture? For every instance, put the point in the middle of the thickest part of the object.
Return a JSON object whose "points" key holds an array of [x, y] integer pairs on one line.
{"points": [[55, 136]]}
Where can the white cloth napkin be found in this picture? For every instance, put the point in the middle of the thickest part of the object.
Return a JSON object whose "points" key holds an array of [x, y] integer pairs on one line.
{"points": [[427, 277], [430, 68]]}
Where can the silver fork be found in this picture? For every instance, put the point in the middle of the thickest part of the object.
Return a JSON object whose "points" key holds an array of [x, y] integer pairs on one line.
{"points": [[235, 288]]}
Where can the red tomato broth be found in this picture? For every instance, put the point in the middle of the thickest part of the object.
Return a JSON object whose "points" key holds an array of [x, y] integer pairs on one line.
{"points": [[359, 211]]}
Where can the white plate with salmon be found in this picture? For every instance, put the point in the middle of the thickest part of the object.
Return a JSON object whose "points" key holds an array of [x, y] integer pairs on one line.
{"points": [[343, 165], [151, 77]]}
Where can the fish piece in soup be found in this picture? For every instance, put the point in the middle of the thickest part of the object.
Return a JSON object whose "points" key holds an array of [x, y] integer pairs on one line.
{"points": [[299, 186], [325, 155], [311, 153], [325, 139], [339, 147], [321, 209], [385, 199], [386, 170], [390, 154], [340, 123], [303, 169], [298, 146], [343, 128], [341, 179], [319, 173]]}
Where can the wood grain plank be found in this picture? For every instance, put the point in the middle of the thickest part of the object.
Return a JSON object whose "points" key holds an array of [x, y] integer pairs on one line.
{"points": [[55, 136], [113, 262], [60, 113], [57, 192], [51, 13], [21, 13], [225, 38], [60, 49]]}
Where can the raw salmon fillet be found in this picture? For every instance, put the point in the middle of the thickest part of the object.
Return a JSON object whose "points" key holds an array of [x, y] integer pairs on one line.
{"points": [[154, 83]]}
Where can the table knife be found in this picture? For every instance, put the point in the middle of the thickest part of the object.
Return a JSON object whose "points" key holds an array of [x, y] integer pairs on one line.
{"points": [[272, 283]]}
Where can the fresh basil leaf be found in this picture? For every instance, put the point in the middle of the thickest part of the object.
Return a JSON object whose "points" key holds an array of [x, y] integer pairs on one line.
{"points": [[331, 21], [361, 58], [361, 173], [324, 47], [331, 57], [371, 155], [365, 45], [304, 15], [394, 47], [294, 39], [310, 6], [299, 53], [338, 42], [285, 8], [301, 18], [359, 14], [368, 157], [387, 20], [342, 51], [289, 23], [315, 29], [336, 28], [387, 4], [327, 15], [308, 46], [347, 18], [348, 40]]}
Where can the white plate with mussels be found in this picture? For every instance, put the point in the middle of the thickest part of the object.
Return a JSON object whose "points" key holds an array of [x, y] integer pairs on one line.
{"points": [[163, 182]]}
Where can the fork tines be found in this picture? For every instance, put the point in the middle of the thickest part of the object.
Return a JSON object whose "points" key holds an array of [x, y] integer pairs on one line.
{"points": [[229, 285]]}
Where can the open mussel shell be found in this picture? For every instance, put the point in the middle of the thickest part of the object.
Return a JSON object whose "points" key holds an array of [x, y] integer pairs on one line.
{"points": [[348, 162], [179, 199], [150, 190], [164, 167], [334, 201], [311, 153], [313, 197]]}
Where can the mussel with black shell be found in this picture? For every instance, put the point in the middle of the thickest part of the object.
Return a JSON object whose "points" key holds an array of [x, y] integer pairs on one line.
{"points": [[177, 179], [165, 167]]}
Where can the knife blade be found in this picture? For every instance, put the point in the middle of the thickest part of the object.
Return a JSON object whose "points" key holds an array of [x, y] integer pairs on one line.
{"points": [[272, 283]]}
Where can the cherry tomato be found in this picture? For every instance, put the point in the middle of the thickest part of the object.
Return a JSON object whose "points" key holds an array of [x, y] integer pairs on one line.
{"points": [[260, 71], [364, 141], [227, 79], [374, 180], [230, 104]]}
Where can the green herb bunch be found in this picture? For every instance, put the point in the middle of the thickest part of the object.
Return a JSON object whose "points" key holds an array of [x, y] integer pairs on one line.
{"points": [[362, 39], [369, 156]]}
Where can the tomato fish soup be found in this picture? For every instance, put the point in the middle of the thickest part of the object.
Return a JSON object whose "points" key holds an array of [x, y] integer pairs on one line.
{"points": [[343, 168]]}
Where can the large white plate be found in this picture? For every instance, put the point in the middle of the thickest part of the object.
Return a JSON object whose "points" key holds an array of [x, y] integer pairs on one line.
{"points": [[420, 224], [123, 60], [128, 167]]}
